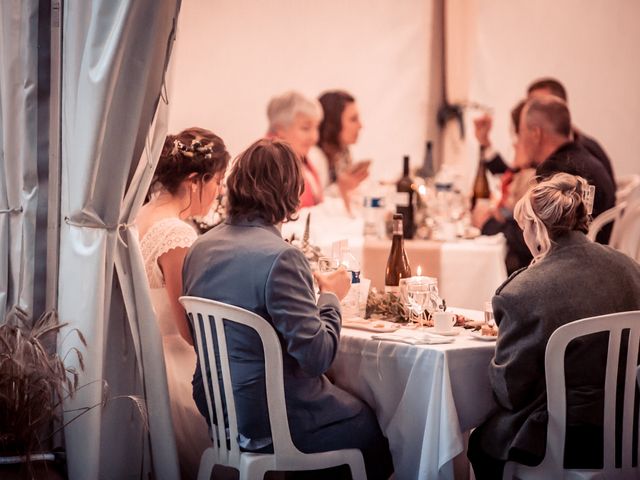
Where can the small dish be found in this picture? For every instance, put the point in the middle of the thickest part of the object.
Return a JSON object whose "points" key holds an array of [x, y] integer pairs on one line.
{"points": [[380, 326], [450, 333], [487, 338]]}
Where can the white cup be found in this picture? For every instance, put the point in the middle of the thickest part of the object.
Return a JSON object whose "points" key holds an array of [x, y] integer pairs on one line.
{"points": [[443, 322]]}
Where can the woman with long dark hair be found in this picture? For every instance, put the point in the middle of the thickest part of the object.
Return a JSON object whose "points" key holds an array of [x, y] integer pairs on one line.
{"points": [[186, 182]]}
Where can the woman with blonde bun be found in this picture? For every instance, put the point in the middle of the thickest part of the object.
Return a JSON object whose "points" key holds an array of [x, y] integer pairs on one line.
{"points": [[570, 278]]}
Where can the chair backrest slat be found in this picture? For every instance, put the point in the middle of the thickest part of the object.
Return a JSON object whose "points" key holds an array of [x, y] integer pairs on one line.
{"points": [[222, 362], [610, 382], [629, 395], [614, 324], [218, 430]]}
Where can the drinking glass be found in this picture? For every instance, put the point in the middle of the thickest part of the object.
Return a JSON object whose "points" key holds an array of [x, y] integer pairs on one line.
{"points": [[488, 315], [418, 295], [328, 264]]}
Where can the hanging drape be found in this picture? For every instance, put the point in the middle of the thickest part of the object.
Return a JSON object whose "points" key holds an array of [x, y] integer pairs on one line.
{"points": [[114, 57], [18, 152], [459, 25]]}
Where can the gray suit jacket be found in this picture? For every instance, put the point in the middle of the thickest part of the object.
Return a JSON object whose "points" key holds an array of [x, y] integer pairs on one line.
{"points": [[577, 279], [248, 264]]}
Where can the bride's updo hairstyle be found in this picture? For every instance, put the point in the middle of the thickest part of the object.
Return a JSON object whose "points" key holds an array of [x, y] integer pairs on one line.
{"points": [[555, 207], [193, 151]]}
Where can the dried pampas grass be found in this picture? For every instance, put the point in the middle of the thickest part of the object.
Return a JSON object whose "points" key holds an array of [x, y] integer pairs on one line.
{"points": [[33, 381]]}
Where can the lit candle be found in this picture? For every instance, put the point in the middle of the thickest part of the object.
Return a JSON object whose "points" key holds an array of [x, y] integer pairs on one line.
{"points": [[419, 279]]}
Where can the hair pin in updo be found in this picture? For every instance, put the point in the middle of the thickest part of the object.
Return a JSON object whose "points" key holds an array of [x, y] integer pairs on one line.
{"points": [[588, 196]]}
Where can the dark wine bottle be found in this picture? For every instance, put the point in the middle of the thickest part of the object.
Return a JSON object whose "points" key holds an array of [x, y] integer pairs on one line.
{"points": [[404, 199], [426, 171], [397, 264], [481, 183]]}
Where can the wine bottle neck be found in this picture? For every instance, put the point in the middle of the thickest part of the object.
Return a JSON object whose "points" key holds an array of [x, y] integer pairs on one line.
{"points": [[397, 228], [405, 167]]}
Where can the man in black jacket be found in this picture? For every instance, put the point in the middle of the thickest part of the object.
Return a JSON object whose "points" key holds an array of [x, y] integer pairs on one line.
{"points": [[543, 86], [545, 139], [545, 133], [551, 86]]}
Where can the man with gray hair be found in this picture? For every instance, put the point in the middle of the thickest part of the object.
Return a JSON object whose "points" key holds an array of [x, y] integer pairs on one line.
{"points": [[545, 137]]}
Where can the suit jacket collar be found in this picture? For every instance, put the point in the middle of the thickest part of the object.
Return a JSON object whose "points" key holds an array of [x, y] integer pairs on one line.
{"points": [[254, 222]]}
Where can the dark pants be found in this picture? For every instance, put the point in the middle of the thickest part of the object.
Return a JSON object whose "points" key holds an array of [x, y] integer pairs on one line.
{"points": [[361, 432], [583, 449]]}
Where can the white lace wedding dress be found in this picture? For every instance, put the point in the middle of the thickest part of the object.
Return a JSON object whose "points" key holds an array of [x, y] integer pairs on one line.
{"points": [[180, 358]]}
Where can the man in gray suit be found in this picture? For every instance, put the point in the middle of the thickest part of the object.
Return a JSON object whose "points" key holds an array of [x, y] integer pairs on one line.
{"points": [[245, 262]]}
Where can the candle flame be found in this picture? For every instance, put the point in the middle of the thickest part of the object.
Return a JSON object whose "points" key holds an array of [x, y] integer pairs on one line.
{"points": [[419, 270], [422, 190]]}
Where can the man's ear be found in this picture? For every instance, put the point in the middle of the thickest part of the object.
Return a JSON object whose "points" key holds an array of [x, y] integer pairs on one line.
{"points": [[537, 134]]}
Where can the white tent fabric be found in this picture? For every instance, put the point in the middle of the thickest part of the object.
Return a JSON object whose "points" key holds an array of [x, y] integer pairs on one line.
{"points": [[18, 154], [114, 58], [459, 32]]}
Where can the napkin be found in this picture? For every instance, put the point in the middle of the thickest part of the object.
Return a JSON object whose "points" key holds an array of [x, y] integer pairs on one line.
{"points": [[414, 338]]}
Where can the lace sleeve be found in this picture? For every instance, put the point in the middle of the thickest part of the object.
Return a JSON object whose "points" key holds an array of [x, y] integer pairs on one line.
{"points": [[160, 239]]}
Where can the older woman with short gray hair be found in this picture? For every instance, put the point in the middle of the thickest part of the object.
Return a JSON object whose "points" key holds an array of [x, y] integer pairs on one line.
{"points": [[295, 118]]}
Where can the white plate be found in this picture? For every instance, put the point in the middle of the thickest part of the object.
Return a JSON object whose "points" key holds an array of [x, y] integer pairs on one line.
{"points": [[380, 326], [487, 338], [450, 333]]}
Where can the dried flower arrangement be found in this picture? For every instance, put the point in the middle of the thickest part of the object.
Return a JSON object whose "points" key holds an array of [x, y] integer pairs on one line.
{"points": [[387, 306], [311, 252], [33, 385]]}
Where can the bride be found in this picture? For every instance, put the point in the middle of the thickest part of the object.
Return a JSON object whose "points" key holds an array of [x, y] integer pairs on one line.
{"points": [[186, 183]]}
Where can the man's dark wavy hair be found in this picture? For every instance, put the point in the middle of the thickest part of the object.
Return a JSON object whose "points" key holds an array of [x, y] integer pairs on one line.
{"points": [[266, 182]]}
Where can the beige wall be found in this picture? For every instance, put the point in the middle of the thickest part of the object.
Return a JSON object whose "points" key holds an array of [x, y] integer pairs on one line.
{"points": [[231, 56], [592, 46]]}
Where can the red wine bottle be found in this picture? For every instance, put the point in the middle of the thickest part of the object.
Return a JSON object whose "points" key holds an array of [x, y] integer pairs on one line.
{"points": [[397, 263], [405, 199]]}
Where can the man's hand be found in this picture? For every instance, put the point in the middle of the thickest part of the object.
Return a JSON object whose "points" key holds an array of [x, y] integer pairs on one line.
{"points": [[482, 129], [481, 213], [337, 282]]}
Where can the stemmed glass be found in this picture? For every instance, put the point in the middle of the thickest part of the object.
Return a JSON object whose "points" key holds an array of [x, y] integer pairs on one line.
{"points": [[489, 320], [419, 295]]}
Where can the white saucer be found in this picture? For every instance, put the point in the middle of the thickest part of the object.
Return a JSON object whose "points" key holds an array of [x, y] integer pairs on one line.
{"points": [[450, 333], [487, 338]]}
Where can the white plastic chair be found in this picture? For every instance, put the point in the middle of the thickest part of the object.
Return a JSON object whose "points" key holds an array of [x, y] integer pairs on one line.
{"points": [[626, 231], [606, 217], [552, 464], [252, 466], [625, 234], [625, 184]]}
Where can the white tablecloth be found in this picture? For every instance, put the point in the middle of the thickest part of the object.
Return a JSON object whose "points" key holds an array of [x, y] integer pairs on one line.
{"points": [[425, 397]]}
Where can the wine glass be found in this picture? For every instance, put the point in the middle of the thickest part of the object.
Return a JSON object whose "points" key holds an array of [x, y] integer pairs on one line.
{"points": [[418, 296], [489, 320]]}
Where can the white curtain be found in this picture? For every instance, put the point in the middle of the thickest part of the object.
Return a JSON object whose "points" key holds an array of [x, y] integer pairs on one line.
{"points": [[18, 151], [114, 57]]}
